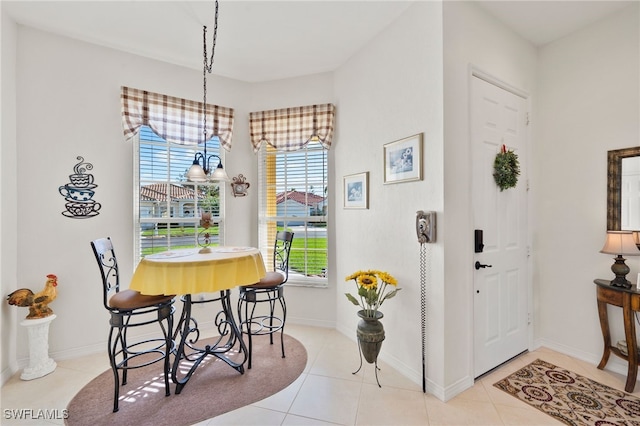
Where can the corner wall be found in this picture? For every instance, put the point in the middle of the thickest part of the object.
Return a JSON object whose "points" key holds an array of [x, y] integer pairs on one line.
{"points": [[390, 90], [589, 103]]}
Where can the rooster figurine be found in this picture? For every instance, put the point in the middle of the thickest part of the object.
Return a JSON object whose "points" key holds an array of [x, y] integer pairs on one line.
{"points": [[38, 303]]}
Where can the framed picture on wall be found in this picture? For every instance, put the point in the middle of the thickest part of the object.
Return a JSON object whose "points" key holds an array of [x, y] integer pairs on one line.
{"points": [[356, 191], [403, 160]]}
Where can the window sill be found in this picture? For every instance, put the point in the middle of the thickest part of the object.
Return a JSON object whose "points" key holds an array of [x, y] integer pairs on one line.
{"points": [[307, 283]]}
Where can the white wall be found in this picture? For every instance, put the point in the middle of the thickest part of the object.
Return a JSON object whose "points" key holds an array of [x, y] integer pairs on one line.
{"points": [[390, 90], [71, 108], [8, 189], [471, 38], [589, 103]]}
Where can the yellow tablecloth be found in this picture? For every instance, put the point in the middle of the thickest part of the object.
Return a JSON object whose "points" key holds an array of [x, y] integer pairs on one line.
{"points": [[186, 271]]}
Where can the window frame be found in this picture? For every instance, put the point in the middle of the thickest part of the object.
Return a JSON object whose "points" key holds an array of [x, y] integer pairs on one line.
{"points": [[194, 219], [268, 221]]}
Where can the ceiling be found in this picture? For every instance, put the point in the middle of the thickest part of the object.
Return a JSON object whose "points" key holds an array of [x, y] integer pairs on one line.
{"points": [[270, 40]]}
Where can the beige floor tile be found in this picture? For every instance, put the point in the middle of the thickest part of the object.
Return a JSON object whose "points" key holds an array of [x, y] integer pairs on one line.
{"points": [[390, 406], [327, 393], [498, 396], [310, 335], [328, 399], [282, 400], [312, 355], [36, 396], [339, 359], [475, 393], [30, 420], [93, 364], [458, 412], [292, 420], [248, 416], [313, 342], [523, 416], [388, 377]]}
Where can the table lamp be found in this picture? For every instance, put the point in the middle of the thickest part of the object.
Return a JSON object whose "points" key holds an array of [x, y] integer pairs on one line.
{"points": [[620, 243]]}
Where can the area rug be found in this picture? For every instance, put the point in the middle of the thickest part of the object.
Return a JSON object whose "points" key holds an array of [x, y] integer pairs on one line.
{"points": [[214, 389], [571, 398]]}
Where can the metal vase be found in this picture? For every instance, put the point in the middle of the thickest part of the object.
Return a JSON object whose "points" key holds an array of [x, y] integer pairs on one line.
{"points": [[370, 335]]}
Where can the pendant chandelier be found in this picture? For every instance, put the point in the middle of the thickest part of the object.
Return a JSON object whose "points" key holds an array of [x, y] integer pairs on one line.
{"points": [[200, 170]]}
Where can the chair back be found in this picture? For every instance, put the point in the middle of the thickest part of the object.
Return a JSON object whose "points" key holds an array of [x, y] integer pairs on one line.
{"points": [[108, 264], [281, 250]]}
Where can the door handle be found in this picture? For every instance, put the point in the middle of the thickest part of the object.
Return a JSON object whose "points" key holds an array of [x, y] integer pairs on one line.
{"points": [[480, 265], [477, 240]]}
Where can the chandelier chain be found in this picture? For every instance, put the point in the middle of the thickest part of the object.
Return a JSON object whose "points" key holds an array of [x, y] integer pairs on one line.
{"points": [[207, 67]]}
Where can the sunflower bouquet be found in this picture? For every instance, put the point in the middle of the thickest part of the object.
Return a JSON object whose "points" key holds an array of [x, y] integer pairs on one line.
{"points": [[374, 287]]}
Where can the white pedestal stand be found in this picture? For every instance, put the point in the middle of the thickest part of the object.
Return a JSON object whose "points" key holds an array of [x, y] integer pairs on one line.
{"points": [[39, 362]]}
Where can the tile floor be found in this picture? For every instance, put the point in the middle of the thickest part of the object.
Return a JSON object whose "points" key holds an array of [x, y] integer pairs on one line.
{"points": [[328, 394]]}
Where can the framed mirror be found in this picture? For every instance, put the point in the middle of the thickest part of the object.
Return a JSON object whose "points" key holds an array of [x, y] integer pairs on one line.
{"points": [[618, 193]]}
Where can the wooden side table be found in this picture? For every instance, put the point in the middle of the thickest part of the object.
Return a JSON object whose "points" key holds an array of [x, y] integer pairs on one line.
{"points": [[629, 301]]}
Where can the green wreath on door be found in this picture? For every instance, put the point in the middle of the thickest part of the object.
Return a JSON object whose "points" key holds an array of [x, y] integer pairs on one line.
{"points": [[506, 169]]}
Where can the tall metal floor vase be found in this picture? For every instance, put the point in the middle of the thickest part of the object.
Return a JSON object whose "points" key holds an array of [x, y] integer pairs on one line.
{"points": [[370, 334]]}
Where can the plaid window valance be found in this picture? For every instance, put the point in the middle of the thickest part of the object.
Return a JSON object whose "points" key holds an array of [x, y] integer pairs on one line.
{"points": [[174, 119], [290, 129]]}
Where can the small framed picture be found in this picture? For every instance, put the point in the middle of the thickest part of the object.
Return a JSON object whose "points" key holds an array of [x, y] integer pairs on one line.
{"points": [[356, 191], [403, 160]]}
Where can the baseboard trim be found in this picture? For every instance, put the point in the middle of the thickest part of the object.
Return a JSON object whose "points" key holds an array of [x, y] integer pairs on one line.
{"points": [[615, 364]]}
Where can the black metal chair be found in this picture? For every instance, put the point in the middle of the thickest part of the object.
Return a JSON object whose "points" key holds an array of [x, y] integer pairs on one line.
{"points": [[269, 290], [129, 308]]}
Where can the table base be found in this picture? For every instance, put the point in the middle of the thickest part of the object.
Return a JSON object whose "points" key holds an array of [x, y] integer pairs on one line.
{"points": [[188, 348]]}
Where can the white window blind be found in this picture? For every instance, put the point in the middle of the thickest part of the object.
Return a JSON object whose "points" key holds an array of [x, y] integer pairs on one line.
{"points": [[293, 196], [166, 205]]}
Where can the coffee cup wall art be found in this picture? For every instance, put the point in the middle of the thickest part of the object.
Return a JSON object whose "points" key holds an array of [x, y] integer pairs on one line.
{"points": [[78, 192]]}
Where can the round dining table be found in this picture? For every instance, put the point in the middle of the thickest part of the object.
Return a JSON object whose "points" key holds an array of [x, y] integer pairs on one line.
{"points": [[187, 272]]}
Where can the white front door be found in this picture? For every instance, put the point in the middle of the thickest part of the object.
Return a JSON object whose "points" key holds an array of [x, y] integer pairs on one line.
{"points": [[498, 117]]}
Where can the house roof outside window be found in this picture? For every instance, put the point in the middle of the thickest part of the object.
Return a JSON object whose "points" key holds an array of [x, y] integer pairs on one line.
{"points": [[299, 197], [158, 192]]}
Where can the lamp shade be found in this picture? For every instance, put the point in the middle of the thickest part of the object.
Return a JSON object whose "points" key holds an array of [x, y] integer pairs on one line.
{"points": [[196, 173], [219, 174], [620, 243]]}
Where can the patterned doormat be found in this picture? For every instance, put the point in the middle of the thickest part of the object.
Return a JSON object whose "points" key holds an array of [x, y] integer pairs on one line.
{"points": [[571, 398]]}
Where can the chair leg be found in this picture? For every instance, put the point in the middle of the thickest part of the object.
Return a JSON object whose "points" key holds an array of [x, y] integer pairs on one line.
{"points": [[122, 332], [249, 333], [284, 319], [168, 349], [117, 345], [241, 323], [246, 318], [272, 306], [112, 360]]}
